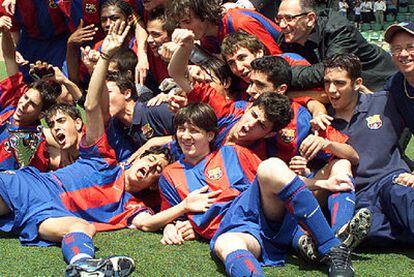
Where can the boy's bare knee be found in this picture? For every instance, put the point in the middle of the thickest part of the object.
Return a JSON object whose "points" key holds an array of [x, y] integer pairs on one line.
{"points": [[84, 227], [273, 174]]}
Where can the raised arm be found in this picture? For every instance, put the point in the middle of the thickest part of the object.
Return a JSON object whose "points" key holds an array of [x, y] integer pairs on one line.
{"points": [[177, 67], [95, 121], [80, 36], [143, 65], [7, 46]]}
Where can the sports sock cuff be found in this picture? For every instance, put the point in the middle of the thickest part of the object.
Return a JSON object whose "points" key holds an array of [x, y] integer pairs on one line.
{"points": [[77, 243], [237, 255], [291, 189], [242, 263]]}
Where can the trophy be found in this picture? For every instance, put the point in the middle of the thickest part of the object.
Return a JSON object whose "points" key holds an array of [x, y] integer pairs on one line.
{"points": [[23, 143]]}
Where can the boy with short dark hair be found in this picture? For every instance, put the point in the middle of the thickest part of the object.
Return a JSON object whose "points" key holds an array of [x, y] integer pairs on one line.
{"points": [[207, 20]]}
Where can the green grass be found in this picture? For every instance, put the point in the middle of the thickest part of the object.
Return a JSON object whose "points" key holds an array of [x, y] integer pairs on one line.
{"points": [[190, 259], [3, 73]]}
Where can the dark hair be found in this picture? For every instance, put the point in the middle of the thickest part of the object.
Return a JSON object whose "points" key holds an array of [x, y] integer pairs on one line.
{"points": [[156, 150], [126, 60], [276, 107], [125, 8], [159, 14], [124, 82], [348, 62], [206, 10], [240, 39], [49, 92], [277, 69], [67, 109], [219, 67], [198, 114]]}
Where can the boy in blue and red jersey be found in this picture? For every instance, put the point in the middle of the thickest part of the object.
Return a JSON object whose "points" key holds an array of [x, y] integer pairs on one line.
{"points": [[21, 106], [58, 206], [130, 124], [239, 49], [210, 24], [90, 20], [232, 170], [39, 30], [272, 73]]}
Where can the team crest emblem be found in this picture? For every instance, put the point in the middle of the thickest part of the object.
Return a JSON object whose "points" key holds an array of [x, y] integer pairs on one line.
{"points": [[52, 4], [90, 8], [287, 135], [147, 131], [215, 173], [374, 122]]}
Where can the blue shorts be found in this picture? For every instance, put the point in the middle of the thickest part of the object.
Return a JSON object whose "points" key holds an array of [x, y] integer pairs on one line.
{"points": [[32, 198], [245, 216], [391, 207]]}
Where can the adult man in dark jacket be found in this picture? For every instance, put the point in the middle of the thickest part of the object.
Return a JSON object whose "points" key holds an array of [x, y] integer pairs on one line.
{"points": [[317, 36]]}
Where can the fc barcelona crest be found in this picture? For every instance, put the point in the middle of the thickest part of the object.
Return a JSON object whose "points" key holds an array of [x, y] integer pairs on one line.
{"points": [[374, 122], [287, 135], [52, 4], [215, 173], [90, 8], [147, 131]]}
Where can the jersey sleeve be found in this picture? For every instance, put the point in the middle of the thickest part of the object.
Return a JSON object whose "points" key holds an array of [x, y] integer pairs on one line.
{"points": [[11, 89], [256, 24], [169, 195], [303, 100], [249, 162], [333, 135], [203, 92], [100, 150]]}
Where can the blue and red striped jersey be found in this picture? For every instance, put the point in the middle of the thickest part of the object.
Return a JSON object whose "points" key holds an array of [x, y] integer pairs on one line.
{"points": [[38, 19], [89, 11], [93, 188], [285, 144], [11, 89], [249, 21], [231, 169]]}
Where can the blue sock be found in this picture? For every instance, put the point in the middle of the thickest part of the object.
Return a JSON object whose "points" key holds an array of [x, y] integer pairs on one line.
{"points": [[241, 263], [301, 203], [77, 246], [344, 202]]}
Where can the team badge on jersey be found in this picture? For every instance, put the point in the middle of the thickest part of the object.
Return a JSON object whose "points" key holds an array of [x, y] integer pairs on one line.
{"points": [[90, 8], [147, 131], [287, 135], [52, 4], [215, 173], [374, 122]]}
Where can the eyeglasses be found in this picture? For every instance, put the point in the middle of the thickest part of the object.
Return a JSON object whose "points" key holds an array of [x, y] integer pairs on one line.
{"points": [[398, 50], [288, 18]]}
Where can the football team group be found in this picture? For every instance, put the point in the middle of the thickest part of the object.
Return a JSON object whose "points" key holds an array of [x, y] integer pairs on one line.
{"points": [[266, 128]]}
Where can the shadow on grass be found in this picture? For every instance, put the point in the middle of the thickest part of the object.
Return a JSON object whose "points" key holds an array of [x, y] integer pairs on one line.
{"points": [[302, 265], [4, 235], [406, 250]]}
